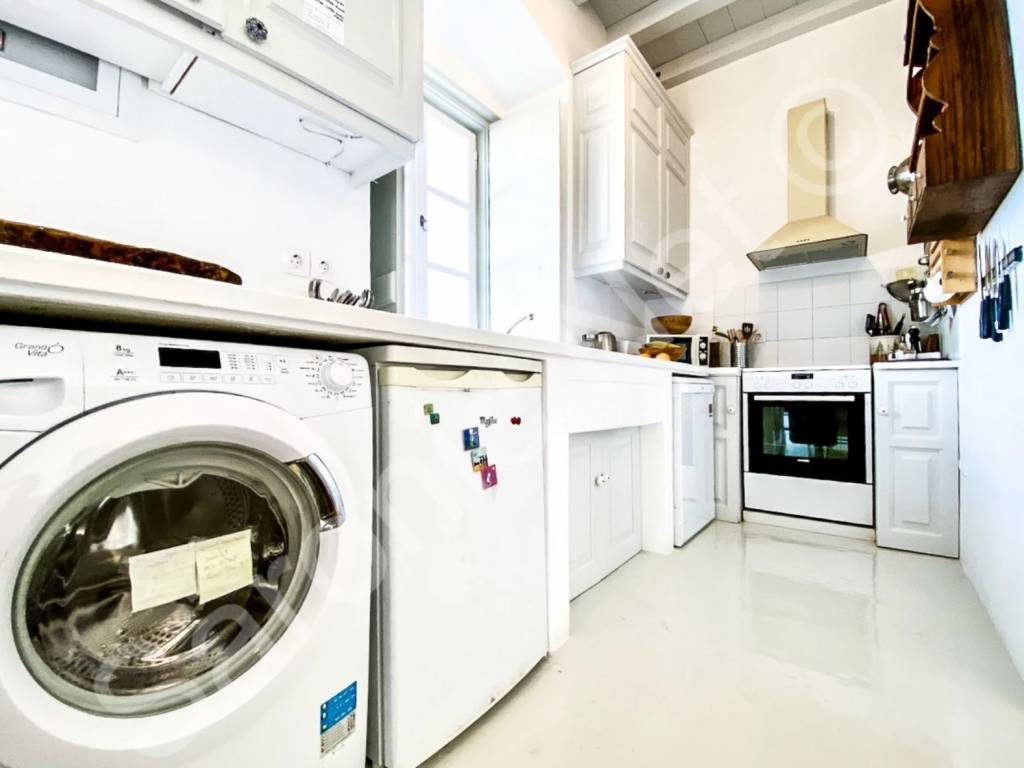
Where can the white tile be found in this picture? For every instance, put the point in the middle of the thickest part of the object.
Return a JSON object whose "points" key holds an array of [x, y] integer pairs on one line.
{"points": [[702, 323], [796, 324], [860, 350], [831, 290], [832, 351], [767, 323], [796, 294], [731, 301], [764, 355], [762, 298], [796, 353], [832, 322], [867, 287]]}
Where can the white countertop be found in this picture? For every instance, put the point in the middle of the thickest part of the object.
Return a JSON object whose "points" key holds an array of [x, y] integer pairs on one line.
{"points": [[36, 283]]}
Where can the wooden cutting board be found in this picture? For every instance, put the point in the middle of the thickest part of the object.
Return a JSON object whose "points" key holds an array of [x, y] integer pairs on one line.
{"points": [[72, 244]]}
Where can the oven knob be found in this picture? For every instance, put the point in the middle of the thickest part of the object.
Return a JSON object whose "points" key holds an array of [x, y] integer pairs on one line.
{"points": [[337, 375]]}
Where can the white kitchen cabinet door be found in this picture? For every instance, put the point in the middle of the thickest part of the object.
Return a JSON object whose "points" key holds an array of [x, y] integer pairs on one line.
{"points": [[366, 53], [728, 449], [644, 170], [213, 13], [676, 246], [693, 451], [604, 505], [917, 484]]}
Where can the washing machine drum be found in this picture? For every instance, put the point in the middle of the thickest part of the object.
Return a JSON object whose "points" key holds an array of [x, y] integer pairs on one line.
{"points": [[106, 617]]}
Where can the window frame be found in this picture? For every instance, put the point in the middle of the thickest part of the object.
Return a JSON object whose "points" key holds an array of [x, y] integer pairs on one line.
{"points": [[441, 94]]}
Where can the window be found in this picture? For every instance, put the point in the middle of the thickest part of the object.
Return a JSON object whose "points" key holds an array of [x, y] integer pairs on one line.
{"points": [[447, 207], [47, 75]]}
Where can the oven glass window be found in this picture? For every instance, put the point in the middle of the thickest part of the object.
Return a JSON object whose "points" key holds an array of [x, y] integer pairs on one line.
{"points": [[817, 437]]}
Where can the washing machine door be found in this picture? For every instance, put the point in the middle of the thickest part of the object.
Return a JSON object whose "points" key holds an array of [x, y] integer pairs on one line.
{"points": [[155, 549]]}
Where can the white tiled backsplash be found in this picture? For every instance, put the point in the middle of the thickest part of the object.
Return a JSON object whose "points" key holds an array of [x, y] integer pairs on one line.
{"points": [[813, 321]]}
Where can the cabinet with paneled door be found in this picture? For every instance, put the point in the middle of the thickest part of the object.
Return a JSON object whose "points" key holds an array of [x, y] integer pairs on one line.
{"points": [[728, 446], [917, 482], [631, 175]]}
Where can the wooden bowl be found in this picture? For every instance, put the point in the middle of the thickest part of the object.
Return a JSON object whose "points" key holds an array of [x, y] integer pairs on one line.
{"points": [[673, 325]]}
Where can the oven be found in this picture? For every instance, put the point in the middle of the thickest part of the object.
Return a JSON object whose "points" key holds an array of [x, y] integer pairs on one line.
{"points": [[808, 444]]}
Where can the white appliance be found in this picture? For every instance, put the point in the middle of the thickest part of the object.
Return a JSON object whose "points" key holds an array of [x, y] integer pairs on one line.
{"points": [[696, 349], [808, 448], [461, 608], [693, 413], [185, 557]]}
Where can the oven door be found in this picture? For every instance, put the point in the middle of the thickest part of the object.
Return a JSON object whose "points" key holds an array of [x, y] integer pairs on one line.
{"points": [[813, 436]]}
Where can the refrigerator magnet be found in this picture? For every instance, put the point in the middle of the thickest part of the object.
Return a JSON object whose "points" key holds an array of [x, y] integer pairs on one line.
{"points": [[470, 438], [489, 474], [479, 459]]}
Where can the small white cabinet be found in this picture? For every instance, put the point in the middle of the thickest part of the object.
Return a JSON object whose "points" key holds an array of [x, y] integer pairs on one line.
{"points": [[917, 454], [604, 504], [366, 53], [693, 457], [632, 174], [728, 419]]}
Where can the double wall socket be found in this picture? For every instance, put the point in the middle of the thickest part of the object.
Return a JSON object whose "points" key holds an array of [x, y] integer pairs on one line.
{"points": [[305, 264]]}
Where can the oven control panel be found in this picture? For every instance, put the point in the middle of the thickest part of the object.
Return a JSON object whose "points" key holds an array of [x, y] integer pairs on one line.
{"points": [[837, 380]]}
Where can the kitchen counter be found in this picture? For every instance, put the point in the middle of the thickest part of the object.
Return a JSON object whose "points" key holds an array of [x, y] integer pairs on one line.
{"points": [[56, 287]]}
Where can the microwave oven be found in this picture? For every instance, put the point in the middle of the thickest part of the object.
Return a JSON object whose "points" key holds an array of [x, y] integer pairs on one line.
{"points": [[696, 349]]}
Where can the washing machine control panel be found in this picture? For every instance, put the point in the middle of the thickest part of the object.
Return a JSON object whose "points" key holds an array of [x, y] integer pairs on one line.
{"points": [[304, 382]]}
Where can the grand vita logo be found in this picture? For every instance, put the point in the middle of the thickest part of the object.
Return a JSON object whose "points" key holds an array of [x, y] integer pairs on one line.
{"points": [[39, 350]]}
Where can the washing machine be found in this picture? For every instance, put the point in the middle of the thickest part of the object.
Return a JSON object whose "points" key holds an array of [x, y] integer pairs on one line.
{"points": [[185, 553]]}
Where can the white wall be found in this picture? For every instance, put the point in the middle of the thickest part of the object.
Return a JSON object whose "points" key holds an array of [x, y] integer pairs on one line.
{"points": [[991, 426], [739, 114], [190, 184]]}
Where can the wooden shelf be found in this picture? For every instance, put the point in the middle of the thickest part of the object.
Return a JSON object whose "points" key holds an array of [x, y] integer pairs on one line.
{"points": [[966, 152]]}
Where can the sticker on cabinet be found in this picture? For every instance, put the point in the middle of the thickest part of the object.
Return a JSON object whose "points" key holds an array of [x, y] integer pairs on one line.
{"points": [[328, 16]]}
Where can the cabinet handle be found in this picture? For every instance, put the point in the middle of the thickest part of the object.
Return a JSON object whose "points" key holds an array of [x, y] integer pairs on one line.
{"points": [[730, 410], [667, 274], [256, 30], [602, 480]]}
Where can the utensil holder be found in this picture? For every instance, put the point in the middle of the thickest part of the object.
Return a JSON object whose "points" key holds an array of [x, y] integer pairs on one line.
{"points": [[739, 354]]}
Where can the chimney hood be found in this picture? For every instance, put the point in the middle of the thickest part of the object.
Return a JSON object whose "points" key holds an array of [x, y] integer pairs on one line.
{"points": [[812, 236]]}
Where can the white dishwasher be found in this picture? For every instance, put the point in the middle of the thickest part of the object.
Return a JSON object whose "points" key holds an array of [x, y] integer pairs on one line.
{"points": [[461, 604], [693, 415]]}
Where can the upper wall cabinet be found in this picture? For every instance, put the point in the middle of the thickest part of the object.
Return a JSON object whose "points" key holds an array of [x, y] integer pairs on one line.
{"points": [[632, 175], [339, 82], [365, 53]]}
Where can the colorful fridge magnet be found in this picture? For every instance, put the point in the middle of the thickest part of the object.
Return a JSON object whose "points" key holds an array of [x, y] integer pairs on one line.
{"points": [[489, 474], [516, 421], [479, 459], [470, 438], [435, 418], [428, 409]]}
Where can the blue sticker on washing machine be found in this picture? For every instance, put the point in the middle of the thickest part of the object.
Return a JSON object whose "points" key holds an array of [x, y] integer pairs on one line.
{"points": [[337, 719]]}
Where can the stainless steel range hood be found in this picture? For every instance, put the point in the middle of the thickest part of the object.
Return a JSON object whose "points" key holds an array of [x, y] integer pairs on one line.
{"points": [[812, 236]]}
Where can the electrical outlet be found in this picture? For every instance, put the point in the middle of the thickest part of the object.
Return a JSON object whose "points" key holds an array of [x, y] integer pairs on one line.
{"points": [[322, 268], [297, 264]]}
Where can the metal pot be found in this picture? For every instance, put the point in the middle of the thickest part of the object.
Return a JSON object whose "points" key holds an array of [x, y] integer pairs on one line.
{"points": [[601, 340]]}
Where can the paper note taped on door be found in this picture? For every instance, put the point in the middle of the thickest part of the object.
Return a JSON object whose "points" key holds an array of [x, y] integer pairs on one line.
{"points": [[158, 578], [327, 16], [224, 565]]}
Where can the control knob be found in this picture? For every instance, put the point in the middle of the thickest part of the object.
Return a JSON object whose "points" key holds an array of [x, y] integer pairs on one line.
{"points": [[337, 375]]}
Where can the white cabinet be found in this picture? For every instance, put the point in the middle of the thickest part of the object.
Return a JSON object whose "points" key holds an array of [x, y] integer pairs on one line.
{"points": [[632, 174], [604, 504], [693, 457], [366, 53], [352, 101], [917, 482], [728, 414]]}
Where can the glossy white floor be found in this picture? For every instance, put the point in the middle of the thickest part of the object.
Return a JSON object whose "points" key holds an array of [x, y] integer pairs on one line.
{"points": [[758, 646]]}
